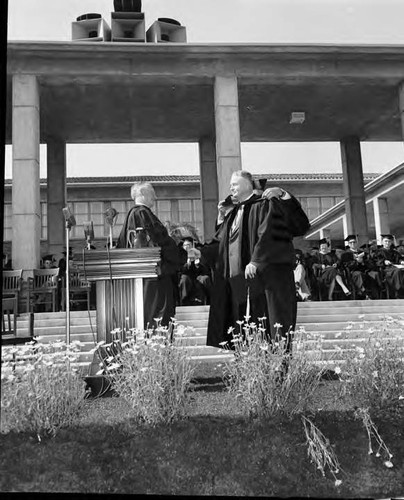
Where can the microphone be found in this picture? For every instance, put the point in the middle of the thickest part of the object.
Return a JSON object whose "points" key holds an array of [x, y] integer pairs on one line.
{"points": [[88, 232], [110, 216], [69, 217]]}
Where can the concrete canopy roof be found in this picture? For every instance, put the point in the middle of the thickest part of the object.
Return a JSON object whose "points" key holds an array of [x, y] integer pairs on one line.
{"points": [[120, 92], [389, 185]]}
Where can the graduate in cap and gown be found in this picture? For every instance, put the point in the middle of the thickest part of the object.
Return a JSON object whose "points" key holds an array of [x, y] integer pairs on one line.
{"points": [[388, 258], [353, 260], [328, 271]]}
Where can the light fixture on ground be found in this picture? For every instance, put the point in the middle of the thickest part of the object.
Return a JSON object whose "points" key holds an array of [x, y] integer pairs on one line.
{"points": [[297, 117]]}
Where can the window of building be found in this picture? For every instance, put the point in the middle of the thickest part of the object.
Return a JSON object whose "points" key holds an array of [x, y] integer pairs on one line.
{"points": [[44, 220], [96, 211], [81, 214], [313, 207], [163, 210], [197, 216], [122, 207], [185, 211], [88, 211], [8, 222], [326, 203]]}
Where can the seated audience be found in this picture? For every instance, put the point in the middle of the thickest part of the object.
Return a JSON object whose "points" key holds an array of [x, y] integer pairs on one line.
{"points": [[327, 271], [311, 278], [6, 263], [353, 260], [195, 281], [373, 281], [388, 259], [48, 262], [302, 289], [42, 301]]}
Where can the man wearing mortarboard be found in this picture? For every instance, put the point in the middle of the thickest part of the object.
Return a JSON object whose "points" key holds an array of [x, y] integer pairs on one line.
{"points": [[47, 262], [388, 259], [353, 260]]}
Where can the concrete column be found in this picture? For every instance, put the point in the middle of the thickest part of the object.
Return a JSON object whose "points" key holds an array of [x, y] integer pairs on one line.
{"points": [[56, 194], [25, 189], [227, 122], [345, 226], [381, 214], [209, 185], [355, 206], [401, 106]]}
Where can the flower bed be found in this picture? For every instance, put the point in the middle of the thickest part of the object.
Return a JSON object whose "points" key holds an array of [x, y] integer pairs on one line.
{"points": [[272, 425]]}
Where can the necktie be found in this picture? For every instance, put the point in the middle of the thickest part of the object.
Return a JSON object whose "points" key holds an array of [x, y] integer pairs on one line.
{"points": [[236, 221]]}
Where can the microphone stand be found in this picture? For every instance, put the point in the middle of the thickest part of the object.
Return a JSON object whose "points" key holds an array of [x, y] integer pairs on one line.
{"points": [[67, 283], [70, 221]]}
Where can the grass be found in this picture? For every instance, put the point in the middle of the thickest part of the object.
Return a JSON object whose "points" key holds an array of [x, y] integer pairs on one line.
{"points": [[215, 451]]}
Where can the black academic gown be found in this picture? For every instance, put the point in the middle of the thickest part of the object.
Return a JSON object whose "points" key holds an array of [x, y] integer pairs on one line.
{"points": [[158, 293], [266, 232]]}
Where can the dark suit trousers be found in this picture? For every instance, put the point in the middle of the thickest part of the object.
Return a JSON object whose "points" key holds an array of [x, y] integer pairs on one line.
{"points": [[158, 297], [280, 294]]}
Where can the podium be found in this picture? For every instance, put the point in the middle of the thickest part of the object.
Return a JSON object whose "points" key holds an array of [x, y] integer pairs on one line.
{"points": [[119, 275]]}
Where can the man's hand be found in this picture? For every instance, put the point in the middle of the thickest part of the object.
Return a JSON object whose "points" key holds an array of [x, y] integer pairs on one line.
{"points": [[250, 271], [275, 192], [387, 262], [223, 209]]}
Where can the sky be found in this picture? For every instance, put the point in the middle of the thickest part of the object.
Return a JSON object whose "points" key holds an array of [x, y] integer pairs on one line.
{"points": [[224, 21]]}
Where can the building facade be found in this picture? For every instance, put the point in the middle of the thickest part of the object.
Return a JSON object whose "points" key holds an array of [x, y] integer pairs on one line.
{"points": [[178, 201], [213, 95]]}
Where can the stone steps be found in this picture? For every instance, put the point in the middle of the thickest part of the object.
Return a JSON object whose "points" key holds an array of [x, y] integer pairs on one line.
{"points": [[342, 325]]}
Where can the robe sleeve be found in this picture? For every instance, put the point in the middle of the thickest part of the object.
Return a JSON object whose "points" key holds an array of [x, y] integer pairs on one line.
{"points": [[210, 251], [264, 220], [140, 216], [295, 217], [276, 230], [128, 224]]}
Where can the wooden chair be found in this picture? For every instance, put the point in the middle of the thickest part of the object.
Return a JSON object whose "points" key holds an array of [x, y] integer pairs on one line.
{"points": [[79, 291], [9, 323], [12, 285], [42, 290], [337, 293], [385, 291]]}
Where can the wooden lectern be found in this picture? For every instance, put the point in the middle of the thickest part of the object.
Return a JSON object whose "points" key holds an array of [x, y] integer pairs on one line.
{"points": [[119, 275]]}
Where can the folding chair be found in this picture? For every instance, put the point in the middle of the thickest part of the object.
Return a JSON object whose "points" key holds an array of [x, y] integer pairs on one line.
{"points": [[79, 291], [9, 323], [12, 285], [42, 290]]}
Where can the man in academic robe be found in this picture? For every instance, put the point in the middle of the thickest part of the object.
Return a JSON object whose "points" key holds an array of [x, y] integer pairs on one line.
{"points": [[195, 281], [158, 293], [388, 259], [252, 254], [353, 259]]}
